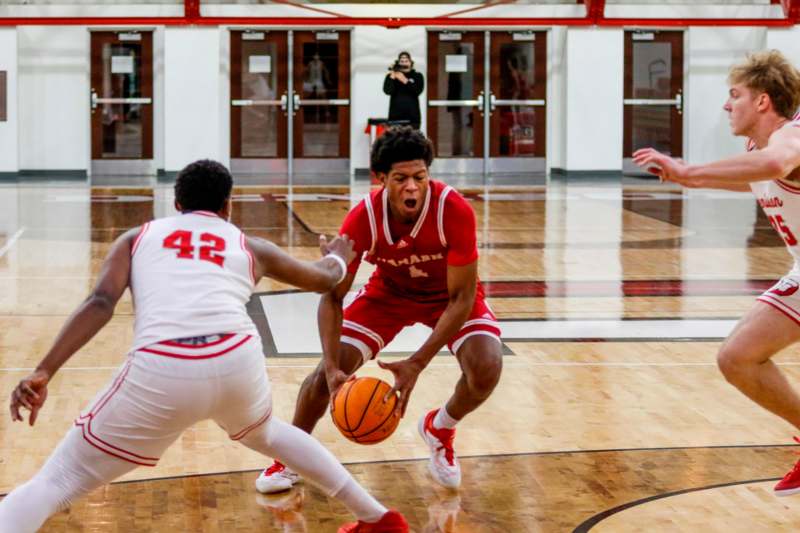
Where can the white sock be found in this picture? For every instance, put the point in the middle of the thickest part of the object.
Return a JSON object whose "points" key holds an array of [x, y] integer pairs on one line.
{"points": [[443, 420], [360, 502]]}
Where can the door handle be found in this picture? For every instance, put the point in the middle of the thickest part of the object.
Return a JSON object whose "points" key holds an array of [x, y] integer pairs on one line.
{"points": [[328, 101], [246, 103], [96, 100], [679, 102]]}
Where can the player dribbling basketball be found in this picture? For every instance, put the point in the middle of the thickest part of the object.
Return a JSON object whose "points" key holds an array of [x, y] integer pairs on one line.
{"points": [[420, 233]]}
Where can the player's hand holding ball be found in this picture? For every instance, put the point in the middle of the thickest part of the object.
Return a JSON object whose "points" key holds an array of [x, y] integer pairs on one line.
{"points": [[336, 378], [405, 373]]}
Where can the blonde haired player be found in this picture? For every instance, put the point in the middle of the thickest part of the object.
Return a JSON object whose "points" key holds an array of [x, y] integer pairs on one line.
{"points": [[196, 355], [762, 105]]}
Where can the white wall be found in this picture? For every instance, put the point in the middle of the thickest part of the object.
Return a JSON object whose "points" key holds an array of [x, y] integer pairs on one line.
{"points": [[158, 98], [373, 49], [594, 99], [192, 96], [710, 54], [53, 97], [9, 160], [787, 40], [556, 98]]}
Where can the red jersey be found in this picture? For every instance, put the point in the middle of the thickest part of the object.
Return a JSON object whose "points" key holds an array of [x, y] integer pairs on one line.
{"points": [[412, 259]]}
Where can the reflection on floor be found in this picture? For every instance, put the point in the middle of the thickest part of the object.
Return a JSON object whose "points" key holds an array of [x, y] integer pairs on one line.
{"points": [[622, 490]]}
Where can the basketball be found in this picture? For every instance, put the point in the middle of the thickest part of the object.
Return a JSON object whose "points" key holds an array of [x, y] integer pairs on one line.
{"points": [[360, 413]]}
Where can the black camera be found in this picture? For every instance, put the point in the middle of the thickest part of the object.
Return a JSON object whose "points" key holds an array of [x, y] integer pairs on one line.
{"points": [[396, 66]]}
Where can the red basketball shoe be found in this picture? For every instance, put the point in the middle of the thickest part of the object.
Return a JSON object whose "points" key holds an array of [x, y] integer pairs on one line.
{"points": [[790, 484], [443, 464], [391, 522]]}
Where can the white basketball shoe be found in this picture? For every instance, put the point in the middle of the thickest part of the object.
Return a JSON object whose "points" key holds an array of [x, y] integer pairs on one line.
{"points": [[443, 464], [276, 478]]}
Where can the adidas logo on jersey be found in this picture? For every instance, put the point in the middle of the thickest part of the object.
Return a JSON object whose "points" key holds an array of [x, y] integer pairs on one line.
{"points": [[402, 244]]}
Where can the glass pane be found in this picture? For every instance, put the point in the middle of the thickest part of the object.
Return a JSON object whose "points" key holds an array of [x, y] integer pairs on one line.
{"points": [[320, 80], [122, 123], [259, 123], [320, 70], [517, 131], [652, 127], [652, 68], [455, 82], [516, 71]]}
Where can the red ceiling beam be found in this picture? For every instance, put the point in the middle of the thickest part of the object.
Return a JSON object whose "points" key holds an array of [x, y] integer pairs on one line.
{"points": [[594, 17]]}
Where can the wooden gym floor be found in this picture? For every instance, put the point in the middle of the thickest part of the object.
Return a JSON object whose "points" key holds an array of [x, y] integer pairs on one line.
{"points": [[610, 415]]}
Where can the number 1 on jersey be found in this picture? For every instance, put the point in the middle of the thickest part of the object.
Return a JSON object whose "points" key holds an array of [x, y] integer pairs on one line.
{"points": [[181, 240]]}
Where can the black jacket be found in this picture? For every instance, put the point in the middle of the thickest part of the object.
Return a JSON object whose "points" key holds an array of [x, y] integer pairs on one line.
{"points": [[404, 97]]}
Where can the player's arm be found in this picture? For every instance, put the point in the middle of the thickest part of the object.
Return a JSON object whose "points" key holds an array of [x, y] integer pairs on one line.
{"points": [[775, 161], [329, 320], [319, 276], [81, 326], [462, 282]]}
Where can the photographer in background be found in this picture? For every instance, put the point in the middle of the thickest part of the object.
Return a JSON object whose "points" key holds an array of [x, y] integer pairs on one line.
{"points": [[403, 84]]}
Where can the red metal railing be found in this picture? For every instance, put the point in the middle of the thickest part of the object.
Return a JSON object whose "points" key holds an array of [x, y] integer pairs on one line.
{"points": [[595, 16]]}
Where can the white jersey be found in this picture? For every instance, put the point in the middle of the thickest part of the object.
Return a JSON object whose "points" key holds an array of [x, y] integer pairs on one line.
{"points": [[191, 275], [780, 201]]}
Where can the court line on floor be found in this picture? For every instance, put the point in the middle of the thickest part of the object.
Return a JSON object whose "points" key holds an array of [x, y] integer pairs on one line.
{"points": [[589, 523], [12, 241], [489, 456]]}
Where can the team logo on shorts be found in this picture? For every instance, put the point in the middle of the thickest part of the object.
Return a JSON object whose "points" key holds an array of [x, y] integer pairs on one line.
{"points": [[785, 287]]}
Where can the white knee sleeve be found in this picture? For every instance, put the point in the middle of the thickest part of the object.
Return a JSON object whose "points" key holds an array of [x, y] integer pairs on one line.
{"points": [[299, 451]]}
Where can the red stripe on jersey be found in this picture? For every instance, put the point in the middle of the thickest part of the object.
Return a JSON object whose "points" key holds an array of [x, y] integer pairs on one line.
{"points": [[243, 433], [196, 346], [88, 429], [138, 239], [786, 187], [250, 259], [110, 392], [86, 438], [779, 306], [207, 356]]}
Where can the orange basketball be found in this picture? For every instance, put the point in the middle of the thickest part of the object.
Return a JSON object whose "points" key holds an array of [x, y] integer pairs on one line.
{"points": [[360, 413]]}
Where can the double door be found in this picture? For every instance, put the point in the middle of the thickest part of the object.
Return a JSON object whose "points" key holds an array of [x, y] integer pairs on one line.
{"points": [[487, 100], [290, 102]]}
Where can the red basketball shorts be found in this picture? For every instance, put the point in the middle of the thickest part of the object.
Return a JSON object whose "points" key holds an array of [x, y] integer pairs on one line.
{"points": [[376, 316]]}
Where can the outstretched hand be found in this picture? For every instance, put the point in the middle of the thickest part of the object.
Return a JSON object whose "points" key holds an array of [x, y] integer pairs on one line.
{"points": [[665, 167], [341, 246], [30, 394], [405, 373]]}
